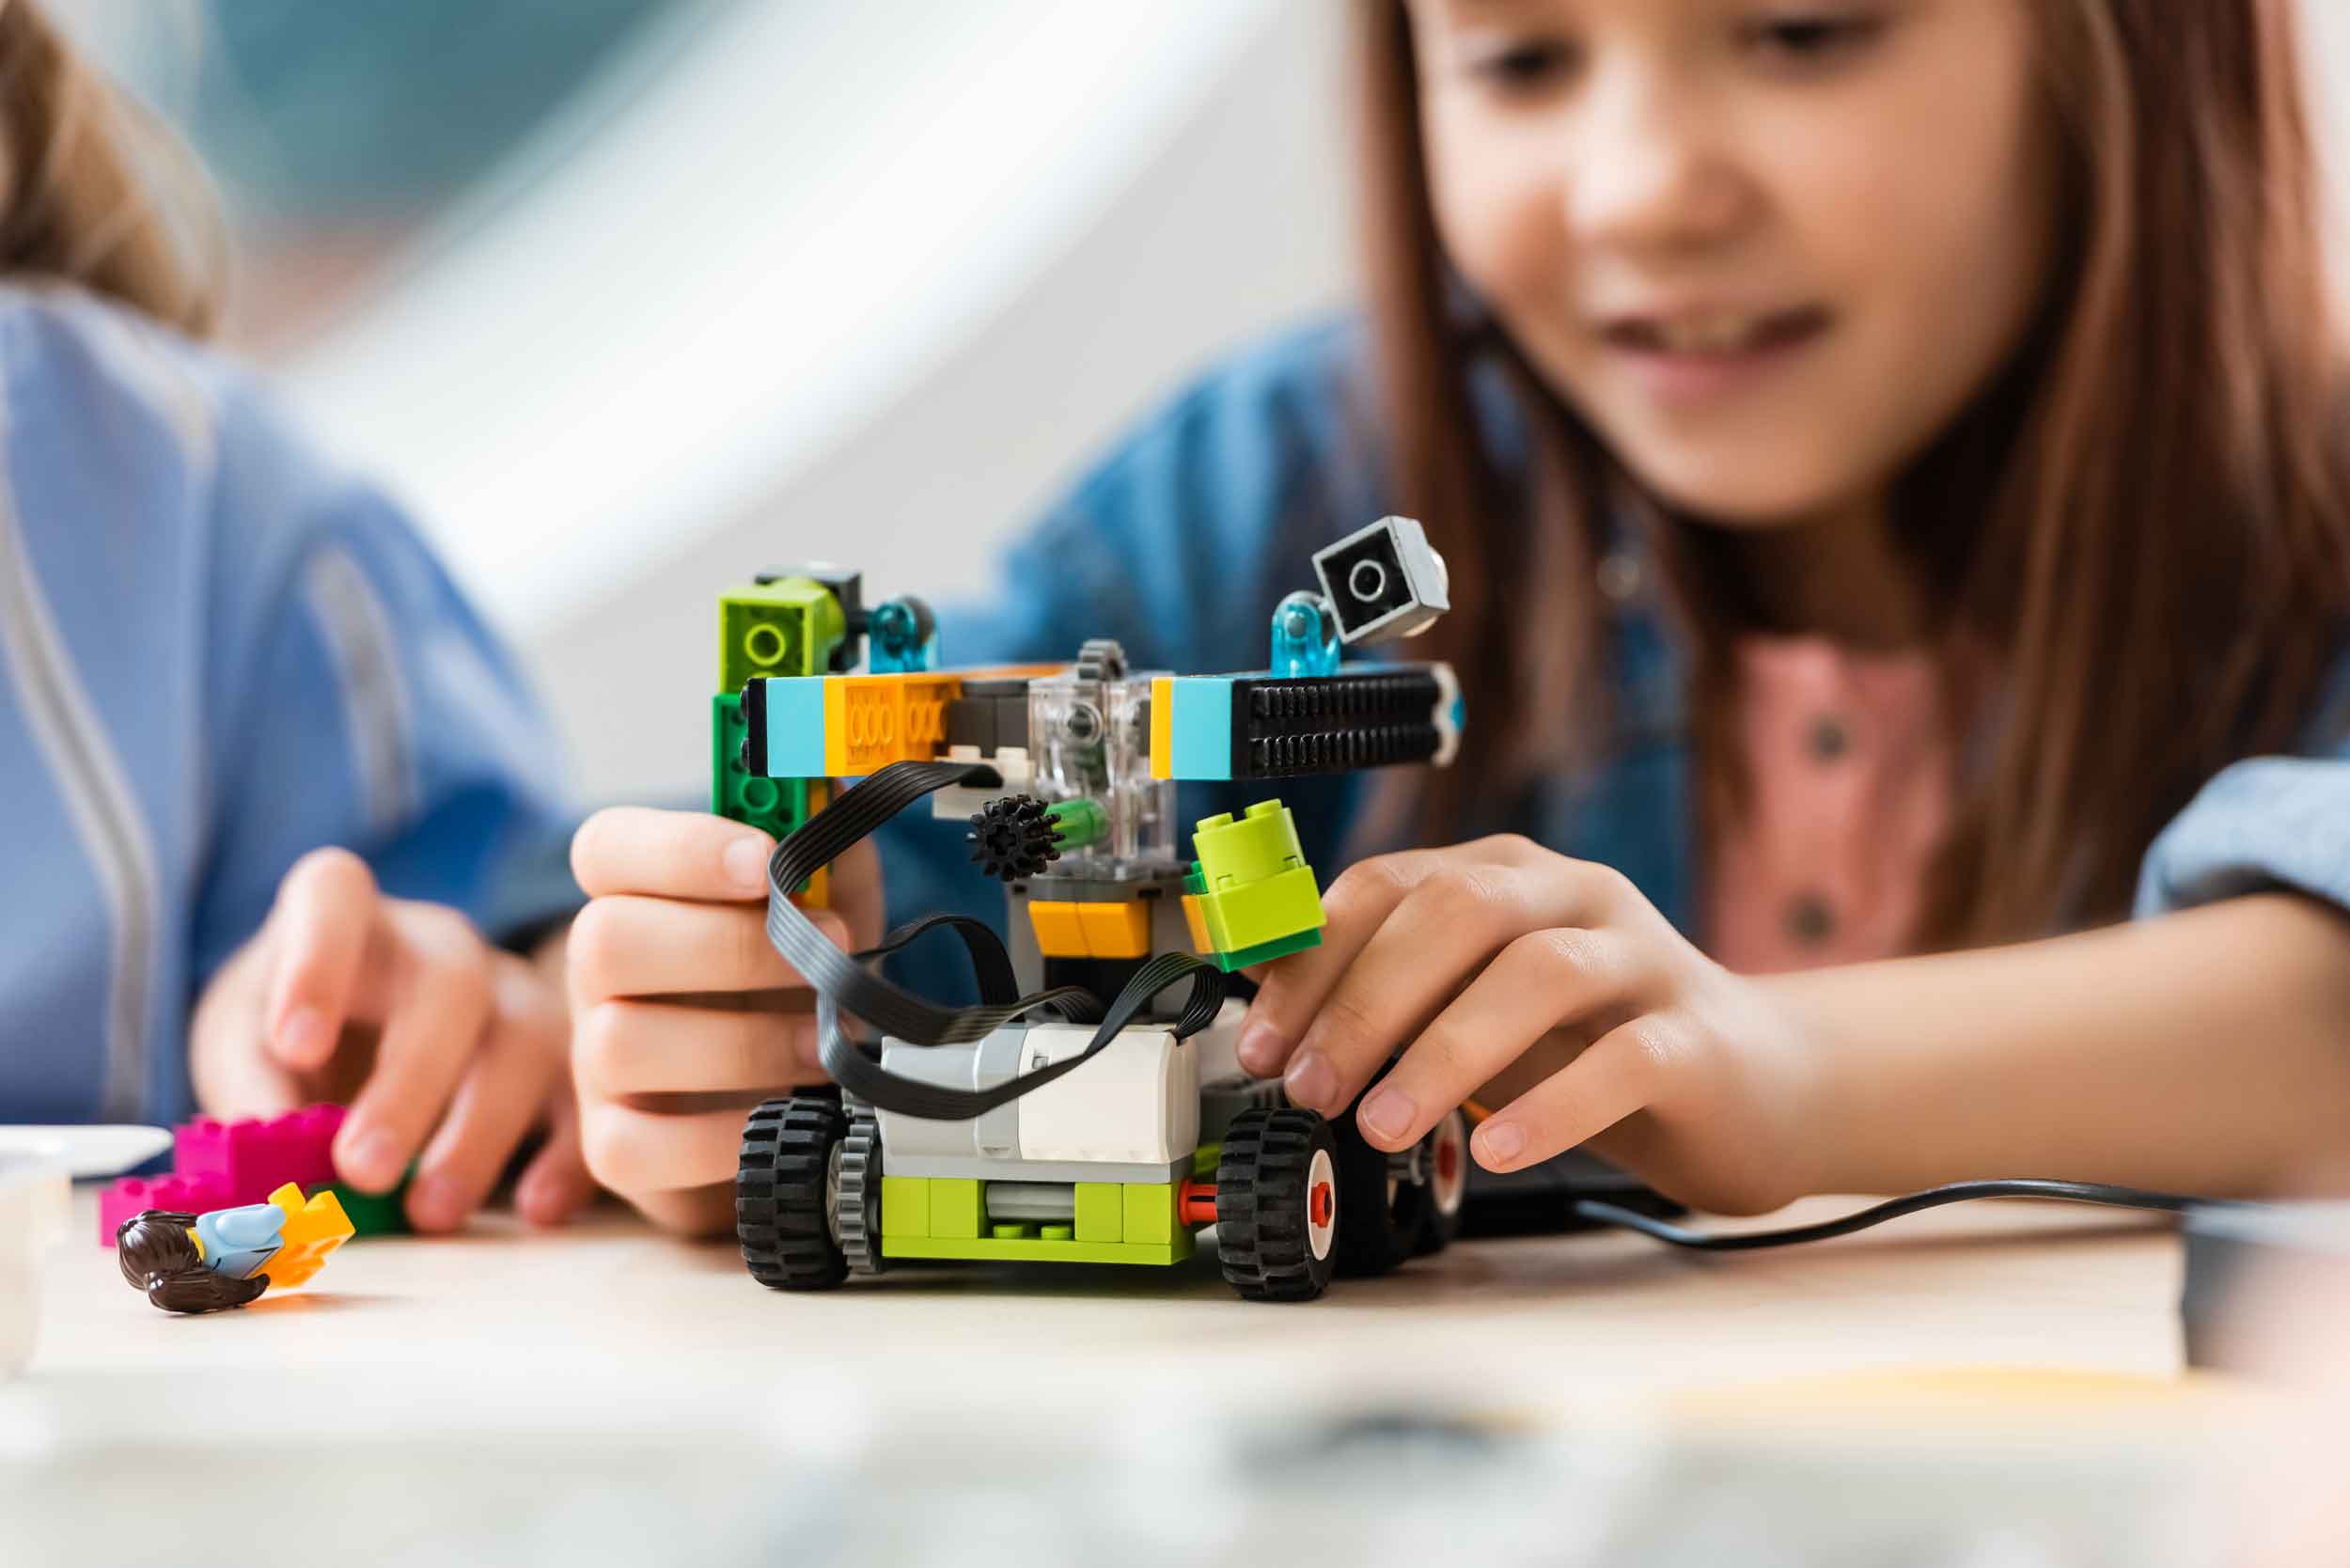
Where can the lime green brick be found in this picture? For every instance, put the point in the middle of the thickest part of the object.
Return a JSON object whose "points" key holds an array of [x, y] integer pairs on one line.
{"points": [[954, 1207], [1038, 1249], [1151, 1212], [787, 627], [1056, 1233], [1012, 1229], [1101, 1212], [1282, 905], [1234, 851], [905, 1206]]}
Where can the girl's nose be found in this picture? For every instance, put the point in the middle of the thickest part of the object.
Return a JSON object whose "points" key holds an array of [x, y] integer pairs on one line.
{"points": [[1650, 172]]}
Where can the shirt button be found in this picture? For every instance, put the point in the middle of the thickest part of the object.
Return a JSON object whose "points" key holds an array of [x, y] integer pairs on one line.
{"points": [[1618, 576], [1810, 919], [1828, 739]]}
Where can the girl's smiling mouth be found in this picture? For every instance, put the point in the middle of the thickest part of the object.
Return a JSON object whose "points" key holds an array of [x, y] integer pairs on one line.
{"points": [[1703, 354]]}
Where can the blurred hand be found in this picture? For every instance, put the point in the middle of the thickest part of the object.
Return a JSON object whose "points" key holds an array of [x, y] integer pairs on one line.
{"points": [[449, 1051], [1551, 990], [687, 1016]]}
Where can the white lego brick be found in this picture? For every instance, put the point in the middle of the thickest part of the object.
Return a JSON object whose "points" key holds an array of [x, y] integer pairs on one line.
{"points": [[1136, 1102]]}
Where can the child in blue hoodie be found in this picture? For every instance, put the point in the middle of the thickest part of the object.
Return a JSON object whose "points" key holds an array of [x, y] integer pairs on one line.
{"points": [[275, 796]]}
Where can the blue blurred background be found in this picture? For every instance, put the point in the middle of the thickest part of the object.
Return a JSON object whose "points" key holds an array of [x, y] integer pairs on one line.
{"points": [[632, 297]]}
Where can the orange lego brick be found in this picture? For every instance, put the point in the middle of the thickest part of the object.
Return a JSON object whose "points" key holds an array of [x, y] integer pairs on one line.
{"points": [[1196, 917], [313, 1228], [872, 721], [1162, 727], [1058, 932], [1115, 928]]}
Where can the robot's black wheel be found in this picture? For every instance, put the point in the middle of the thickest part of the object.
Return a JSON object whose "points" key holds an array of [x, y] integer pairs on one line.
{"points": [[1444, 1160], [782, 1194], [1277, 1204], [1383, 1209]]}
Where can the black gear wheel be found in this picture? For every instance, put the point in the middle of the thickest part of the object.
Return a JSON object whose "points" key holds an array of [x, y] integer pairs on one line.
{"points": [[1012, 837], [856, 1194], [1101, 659], [782, 1207], [1278, 1207]]}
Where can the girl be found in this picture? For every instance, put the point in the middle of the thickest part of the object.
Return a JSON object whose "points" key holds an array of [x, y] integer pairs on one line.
{"points": [[218, 655], [1889, 461]]}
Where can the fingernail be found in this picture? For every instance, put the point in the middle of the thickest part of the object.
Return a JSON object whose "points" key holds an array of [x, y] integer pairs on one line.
{"points": [[1387, 1113], [1261, 1050], [374, 1160], [1309, 1081], [1498, 1143], [436, 1204], [303, 1037], [747, 864]]}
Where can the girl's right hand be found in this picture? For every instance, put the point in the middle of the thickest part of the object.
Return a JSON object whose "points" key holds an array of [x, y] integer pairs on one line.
{"points": [[683, 1016]]}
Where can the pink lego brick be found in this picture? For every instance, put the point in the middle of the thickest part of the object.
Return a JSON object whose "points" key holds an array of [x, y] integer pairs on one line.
{"points": [[252, 1158], [131, 1195]]}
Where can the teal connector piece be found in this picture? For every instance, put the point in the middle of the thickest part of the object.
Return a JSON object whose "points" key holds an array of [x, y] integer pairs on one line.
{"points": [[1199, 727], [1305, 637], [786, 719], [902, 637]]}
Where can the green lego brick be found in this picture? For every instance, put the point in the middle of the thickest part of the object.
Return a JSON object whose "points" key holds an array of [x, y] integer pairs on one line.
{"points": [[1056, 1233], [777, 807], [1195, 879], [374, 1214], [1101, 1212], [1013, 1230], [905, 1206], [1077, 823], [787, 627], [1151, 1212], [1280, 947], [954, 1207], [1267, 910], [1036, 1249]]}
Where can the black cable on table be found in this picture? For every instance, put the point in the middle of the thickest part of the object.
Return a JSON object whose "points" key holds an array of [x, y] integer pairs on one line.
{"points": [[1603, 1213]]}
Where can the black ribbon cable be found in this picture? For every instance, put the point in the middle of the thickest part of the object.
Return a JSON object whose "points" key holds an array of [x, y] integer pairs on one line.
{"points": [[841, 983]]}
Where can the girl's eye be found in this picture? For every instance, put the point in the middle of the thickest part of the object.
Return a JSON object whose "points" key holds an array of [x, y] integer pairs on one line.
{"points": [[1812, 40], [1523, 66]]}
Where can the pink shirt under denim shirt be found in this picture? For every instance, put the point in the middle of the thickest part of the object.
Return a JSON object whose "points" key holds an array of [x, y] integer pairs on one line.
{"points": [[1849, 756]]}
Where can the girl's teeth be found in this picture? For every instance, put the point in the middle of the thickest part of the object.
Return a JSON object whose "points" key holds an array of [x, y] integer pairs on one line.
{"points": [[1707, 334]]}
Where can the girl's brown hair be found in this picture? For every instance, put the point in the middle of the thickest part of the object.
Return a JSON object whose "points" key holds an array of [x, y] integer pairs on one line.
{"points": [[85, 174], [2143, 515], [158, 1255]]}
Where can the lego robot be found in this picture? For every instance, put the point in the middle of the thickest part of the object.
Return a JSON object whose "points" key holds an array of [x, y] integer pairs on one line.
{"points": [[1091, 1107]]}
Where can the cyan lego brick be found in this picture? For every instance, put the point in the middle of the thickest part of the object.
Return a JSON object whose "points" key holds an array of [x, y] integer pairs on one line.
{"points": [[1199, 727], [784, 719]]}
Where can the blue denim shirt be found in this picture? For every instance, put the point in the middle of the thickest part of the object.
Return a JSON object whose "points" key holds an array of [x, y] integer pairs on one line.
{"points": [[1181, 542], [217, 651]]}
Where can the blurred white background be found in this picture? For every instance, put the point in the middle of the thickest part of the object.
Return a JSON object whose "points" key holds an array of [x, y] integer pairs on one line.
{"points": [[630, 298]]}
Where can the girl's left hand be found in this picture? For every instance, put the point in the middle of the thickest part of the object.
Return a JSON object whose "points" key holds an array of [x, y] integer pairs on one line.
{"points": [[1511, 971]]}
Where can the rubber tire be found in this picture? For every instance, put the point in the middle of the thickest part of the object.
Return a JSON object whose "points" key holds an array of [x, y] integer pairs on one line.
{"points": [[1261, 1205], [1438, 1229], [1376, 1233], [781, 1215]]}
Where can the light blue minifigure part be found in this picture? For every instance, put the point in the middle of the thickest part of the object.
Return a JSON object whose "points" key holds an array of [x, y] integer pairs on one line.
{"points": [[902, 637], [238, 1242], [795, 728], [1199, 727], [1305, 639]]}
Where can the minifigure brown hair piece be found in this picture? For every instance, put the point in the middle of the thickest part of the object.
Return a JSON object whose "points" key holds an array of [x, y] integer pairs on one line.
{"points": [[159, 1256]]}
